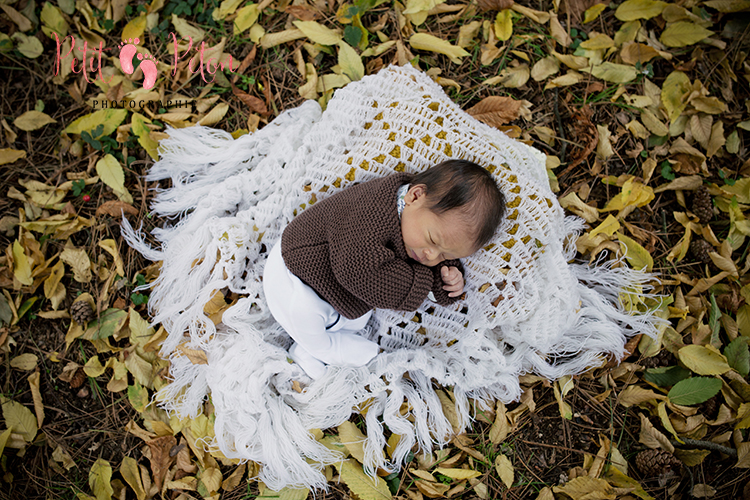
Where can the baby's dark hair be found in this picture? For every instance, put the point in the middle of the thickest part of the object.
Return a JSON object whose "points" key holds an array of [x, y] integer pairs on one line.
{"points": [[462, 184]]}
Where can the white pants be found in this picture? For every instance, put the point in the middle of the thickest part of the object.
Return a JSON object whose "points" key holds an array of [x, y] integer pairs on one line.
{"points": [[322, 335]]}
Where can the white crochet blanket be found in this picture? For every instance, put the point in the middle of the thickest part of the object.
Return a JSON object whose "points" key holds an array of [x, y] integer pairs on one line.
{"points": [[527, 309]]}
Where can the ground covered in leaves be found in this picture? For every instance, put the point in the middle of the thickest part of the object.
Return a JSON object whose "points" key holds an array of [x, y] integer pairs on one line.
{"points": [[642, 107]]}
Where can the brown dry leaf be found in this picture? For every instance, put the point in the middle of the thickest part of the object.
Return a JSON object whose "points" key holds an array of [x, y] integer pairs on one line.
{"points": [[115, 208], [160, 457], [196, 356], [487, 5], [36, 396], [634, 53], [499, 110], [255, 104], [303, 12], [583, 134], [432, 490], [501, 426]]}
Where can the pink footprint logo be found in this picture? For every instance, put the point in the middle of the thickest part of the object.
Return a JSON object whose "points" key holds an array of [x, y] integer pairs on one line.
{"points": [[148, 64]]}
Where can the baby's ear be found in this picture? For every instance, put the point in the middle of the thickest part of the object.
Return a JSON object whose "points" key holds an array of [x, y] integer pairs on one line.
{"points": [[416, 192]]}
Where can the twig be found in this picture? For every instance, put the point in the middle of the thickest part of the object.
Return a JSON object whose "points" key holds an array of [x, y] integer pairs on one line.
{"points": [[561, 131], [706, 445]]}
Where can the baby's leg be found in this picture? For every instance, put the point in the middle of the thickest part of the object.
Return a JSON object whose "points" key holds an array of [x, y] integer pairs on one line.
{"points": [[305, 316]]}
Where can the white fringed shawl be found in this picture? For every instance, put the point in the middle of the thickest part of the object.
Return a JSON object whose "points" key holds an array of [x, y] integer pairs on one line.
{"points": [[527, 309]]}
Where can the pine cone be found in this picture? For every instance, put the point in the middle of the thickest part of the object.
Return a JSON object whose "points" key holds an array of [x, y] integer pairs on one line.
{"points": [[710, 408], [82, 312], [703, 207], [654, 463], [663, 358], [700, 250]]}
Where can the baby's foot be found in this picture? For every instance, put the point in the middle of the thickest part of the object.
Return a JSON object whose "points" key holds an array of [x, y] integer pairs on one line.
{"points": [[314, 368], [127, 51], [148, 65]]}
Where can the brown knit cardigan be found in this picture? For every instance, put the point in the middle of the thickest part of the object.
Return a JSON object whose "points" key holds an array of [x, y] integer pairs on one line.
{"points": [[349, 249]]}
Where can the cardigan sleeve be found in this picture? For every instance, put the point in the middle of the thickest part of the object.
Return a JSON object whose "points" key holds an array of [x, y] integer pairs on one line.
{"points": [[441, 296]]}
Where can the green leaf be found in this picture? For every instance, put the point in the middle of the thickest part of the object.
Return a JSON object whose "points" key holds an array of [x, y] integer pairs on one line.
{"points": [[738, 355], [138, 396], [666, 376], [694, 390], [107, 325]]}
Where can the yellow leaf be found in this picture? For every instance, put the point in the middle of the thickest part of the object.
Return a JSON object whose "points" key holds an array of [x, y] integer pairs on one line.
{"points": [[458, 474], [467, 32], [110, 119], [703, 360], [592, 13], [8, 155], [544, 68], [633, 193], [29, 46], [653, 124], [211, 479], [584, 487], [110, 247], [93, 367], [100, 476], [25, 362], [362, 485], [609, 226], [684, 33], [36, 396], [710, 105], [139, 128], [110, 173], [246, 17], [62, 456], [501, 426], [573, 62], [273, 39], [559, 33], [728, 5], [4, 439], [213, 117], [613, 73], [627, 33], [33, 120], [333, 81], [318, 33], [604, 145], [566, 80], [226, 8], [661, 409], [423, 41], [53, 21], [598, 41], [503, 25], [132, 475], [187, 30], [50, 284], [134, 29], [350, 62], [511, 77], [573, 203], [353, 439], [630, 10], [79, 262], [635, 254], [19, 419], [21, 265], [504, 469]]}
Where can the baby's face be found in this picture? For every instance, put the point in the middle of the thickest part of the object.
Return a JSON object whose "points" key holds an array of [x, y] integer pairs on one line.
{"points": [[429, 238]]}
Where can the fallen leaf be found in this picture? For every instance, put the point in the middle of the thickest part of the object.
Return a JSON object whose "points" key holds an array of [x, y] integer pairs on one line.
{"points": [[29, 46], [25, 362], [703, 360], [631, 10], [423, 41], [36, 396], [350, 62], [499, 110], [160, 457], [318, 33], [79, 262], [504, 469], [683, 33], [33, 120], [132, 475], [100, 476], [584, 488], [8, 155]]}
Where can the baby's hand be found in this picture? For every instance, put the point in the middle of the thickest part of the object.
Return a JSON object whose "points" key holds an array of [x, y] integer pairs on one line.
{"points": [[453, 279]]}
